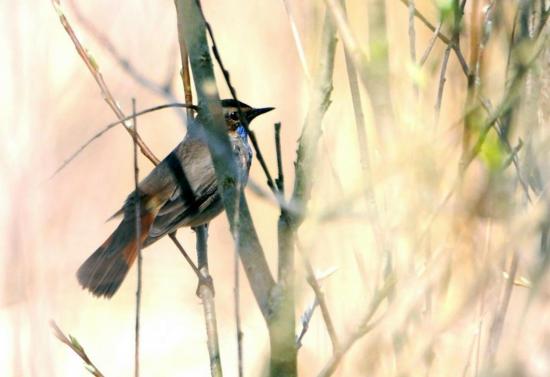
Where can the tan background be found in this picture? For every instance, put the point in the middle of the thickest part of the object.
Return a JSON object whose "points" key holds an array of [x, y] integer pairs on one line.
{"points": [[50, 105]]}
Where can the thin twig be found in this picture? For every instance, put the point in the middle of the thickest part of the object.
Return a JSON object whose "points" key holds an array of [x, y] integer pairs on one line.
{"points": [[111, 125], [373, 75], [73, 344], [431, 44], [441, 84], [137, 214], [297, 41], [482, 298], [306, 317], [320, 298], [280, 181], [126, 65], [428, 24], [106, 93], [441, 36], [362, 137], [185, 255], [498, 322]]}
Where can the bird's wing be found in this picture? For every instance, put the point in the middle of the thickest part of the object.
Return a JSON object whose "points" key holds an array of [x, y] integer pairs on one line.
{"points": [[180, 211], [194, 198]]}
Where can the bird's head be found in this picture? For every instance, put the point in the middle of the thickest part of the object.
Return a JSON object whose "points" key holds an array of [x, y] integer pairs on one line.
{"points": [[231, 113]]}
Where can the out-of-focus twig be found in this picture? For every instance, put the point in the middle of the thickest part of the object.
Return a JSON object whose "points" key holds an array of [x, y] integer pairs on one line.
{"points": [[137, 214], [297, 41], [445, 39], [497, 326], [94, 70], [441, 84], [431, 44], [412, 40], [111, 125], [73, 344], [362, 137], [162, 89], [374, 74], [364, 327]]}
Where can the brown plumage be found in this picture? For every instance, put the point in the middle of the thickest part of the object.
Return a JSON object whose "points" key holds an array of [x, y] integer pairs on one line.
{"points": [[180, 191]]}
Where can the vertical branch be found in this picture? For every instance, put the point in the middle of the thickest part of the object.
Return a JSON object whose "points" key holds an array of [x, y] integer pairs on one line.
{"points": [[137, 214], [362, 137], [206, 293], [282, 325], [319, 103], [192, 27]]}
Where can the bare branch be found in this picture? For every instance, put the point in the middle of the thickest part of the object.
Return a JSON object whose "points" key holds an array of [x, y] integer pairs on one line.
{"points": [[94, 70], [111, 125], [364, 327], [137, 214], [206, 294], [191, 25], [126, 65]]}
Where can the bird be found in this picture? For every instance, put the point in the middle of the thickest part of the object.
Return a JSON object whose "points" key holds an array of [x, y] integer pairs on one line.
{"points": [[181, 191]]}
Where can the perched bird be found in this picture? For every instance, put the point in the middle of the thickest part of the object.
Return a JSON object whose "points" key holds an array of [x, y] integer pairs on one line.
{"points": [[180, 191]]}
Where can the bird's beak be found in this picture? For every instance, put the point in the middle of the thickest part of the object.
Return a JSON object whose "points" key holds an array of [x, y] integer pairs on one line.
{"points": [[255, 112]]}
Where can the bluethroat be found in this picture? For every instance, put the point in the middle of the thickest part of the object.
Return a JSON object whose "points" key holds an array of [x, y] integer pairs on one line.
{"points": [[180, 191]]}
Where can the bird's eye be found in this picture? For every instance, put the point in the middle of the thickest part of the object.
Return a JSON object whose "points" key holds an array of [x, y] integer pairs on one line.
{"points": [[234, 115]]}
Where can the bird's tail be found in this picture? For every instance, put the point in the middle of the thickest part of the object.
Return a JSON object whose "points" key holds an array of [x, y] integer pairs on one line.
{"points": [[103, 272]]}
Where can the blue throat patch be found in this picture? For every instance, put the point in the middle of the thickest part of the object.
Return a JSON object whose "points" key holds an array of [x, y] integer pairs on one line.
{"points": [[241, 131]]}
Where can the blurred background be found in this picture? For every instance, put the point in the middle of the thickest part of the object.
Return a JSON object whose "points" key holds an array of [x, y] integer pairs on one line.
{"points": [[453, 259]]}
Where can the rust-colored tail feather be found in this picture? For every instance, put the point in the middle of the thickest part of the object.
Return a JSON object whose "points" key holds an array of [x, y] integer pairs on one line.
{"points": [[104, 271]]}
